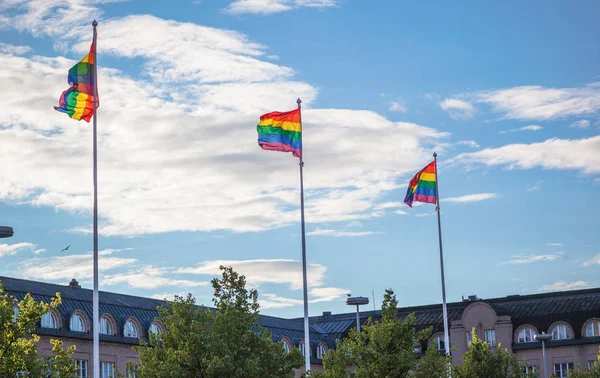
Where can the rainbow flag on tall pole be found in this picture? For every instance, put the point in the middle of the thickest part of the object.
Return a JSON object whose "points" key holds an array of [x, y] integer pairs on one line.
{"points": [[81, 102], [424, 188], [282, 131]]}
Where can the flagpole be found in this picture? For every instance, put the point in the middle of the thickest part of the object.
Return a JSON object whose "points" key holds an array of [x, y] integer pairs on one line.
{"points": [[304, 281], [444, 308], [95, 298]]}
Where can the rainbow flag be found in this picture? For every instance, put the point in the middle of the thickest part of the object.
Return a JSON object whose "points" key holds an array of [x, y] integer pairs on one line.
{"points": [[422, 186], [281, 131], [78, 100]]}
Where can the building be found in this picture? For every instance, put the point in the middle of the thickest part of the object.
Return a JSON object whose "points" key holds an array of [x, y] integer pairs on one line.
{"points": [[572, 317]]}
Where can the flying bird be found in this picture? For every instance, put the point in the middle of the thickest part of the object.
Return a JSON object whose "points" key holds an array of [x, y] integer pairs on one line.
{"points": [[66, 248]]}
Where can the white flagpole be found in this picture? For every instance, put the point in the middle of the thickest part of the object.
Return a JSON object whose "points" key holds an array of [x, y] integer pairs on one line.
{"points": [[304, 281], [95, 298]]}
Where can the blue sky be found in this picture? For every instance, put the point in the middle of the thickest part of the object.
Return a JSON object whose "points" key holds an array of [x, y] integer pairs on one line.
{"points": [[507, 94]]}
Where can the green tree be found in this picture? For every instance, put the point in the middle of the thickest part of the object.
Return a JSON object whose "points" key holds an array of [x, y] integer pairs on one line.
{"points": [[593, 372], [383, 348], [203, 343], [481, 361], [18, 342], [432, 364]]}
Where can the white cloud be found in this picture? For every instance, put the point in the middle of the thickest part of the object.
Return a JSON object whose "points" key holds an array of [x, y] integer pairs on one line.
{"points": [[269, 300], [540, 103], [195, 80], [534, 187], [471, 198], [458, 109], [524, 128], [554, 245], [469, 143], [149, 277], [389, 205], [39, 251], [70, 266], [338, 233], [315, 295], [266, 7], [575, 154], [264, 271], [581, 124], [169, 296], [13, 249], [593, 261], [401, 212], [564, 286], [397, 106], [518, 259], [13, 50]]}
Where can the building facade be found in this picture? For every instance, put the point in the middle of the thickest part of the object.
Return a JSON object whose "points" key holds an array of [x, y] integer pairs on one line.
{"points": [[572, 317]]}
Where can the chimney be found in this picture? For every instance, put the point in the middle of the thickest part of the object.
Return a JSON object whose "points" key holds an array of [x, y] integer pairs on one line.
{"points": [[470, 298], [326, 314], [74, 284]]}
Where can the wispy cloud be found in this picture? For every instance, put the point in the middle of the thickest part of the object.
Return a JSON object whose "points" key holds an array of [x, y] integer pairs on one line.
{"points": [[564, 286], [266, 7], [458, 109], [149, 277], [581, 124], [39, 251], [518, 259], [316, 295], [338, 233], [471, 198], [554, 244], [541, 103], [593, 261], [13, 50], [398, 106], [470, 143], [534, 187], [13, 249], [575, 154], [524, 128]]}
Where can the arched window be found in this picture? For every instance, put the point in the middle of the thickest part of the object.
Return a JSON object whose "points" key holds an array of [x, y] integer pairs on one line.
{"points": [[287, 347], [49, 320], [106, 326], [438, 339], [130, 329], [321, 350], [155, 329], [592, 328], [76, 324], [525, 334], [302, 348], [561, 331]]}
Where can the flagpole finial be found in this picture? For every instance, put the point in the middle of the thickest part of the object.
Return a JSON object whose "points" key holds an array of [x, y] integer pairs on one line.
{"points": [[298, 101], [94, 23], [434, 155]]}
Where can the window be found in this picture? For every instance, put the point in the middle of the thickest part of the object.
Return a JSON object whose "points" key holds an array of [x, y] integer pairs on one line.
{"points": [[560, 370], [22, 373], [559, 332], [302, 348], [155, 329], [530, 369], [49, 320], [81, 368], [439, 341], [107, 370], [469, 337], [105, 326], [132, 371], [15, 313], [130, 329], [592, 364], [76, 323], [286, 347], [526, 335], [490, 337], [593, 328], [321, 351]]}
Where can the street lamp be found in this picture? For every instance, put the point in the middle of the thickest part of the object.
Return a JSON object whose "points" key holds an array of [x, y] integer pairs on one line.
{"points": [[543, 337], [6, 232], [357, 301]]}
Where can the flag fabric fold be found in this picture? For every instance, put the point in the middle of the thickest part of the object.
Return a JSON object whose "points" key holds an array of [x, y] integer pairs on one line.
{"points": [[281, 131], [78, 102], [422, 187]]}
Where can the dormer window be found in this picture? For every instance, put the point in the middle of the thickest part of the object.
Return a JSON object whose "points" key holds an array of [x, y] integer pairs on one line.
{"points": [[49, 320], [592, 329], [130, 329], [105, 326], [76, 324], [526, 334], [155, 329]]}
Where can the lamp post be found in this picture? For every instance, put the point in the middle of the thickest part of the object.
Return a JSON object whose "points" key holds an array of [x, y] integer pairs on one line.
{"points": [[6, 232], [357, 301], [543, 337]]}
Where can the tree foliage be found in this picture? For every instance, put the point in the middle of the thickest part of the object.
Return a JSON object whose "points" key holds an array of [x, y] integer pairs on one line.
{"points": [[203, 343], [18, 344], [593, 372]]}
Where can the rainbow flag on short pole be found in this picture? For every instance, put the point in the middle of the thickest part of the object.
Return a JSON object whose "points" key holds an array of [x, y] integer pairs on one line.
{"points": [[424, 188], [282, 131], [80, 102]]}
